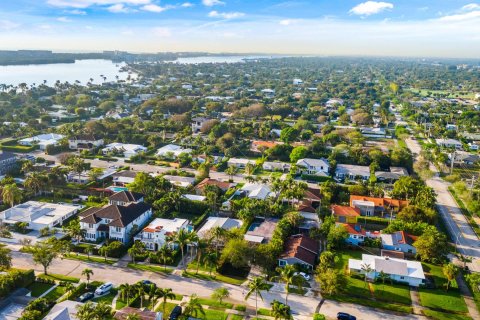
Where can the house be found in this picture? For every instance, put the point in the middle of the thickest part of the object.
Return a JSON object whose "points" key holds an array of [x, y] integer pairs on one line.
{"points": [[300, 249], [410, 272], [155, 235], [334, 102], [473, 146], [373, 132], [260, 146], [65, 310], [451, 127], [39, 215], [239, 162], [142, 314], [276, 166], [179, 181], [128, 150], [352, 172], [123, 178], [399, 241], [356, 235], [256, 191], [85, 142], [391, 176], [8, 162], [224, 186], [42, 140], [172, 151], [268, 93], [297, 82], [345, 214], [194, 197], [370, 206], [125, 213], [318, 167], [449, 143], [465, 158], [214, 222], [261, 232], [197, 123]]}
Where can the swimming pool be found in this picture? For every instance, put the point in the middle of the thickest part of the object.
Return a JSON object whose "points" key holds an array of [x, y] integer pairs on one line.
{"points": [[254, 226], [117, 189]]}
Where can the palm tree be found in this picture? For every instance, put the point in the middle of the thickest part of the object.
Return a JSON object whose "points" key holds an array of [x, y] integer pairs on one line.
{"points": [[11, 194], [87, 273], [255, 286], [151, 294], [164, 254], [125, 291], [231, 171], [132, 316], [165, 294], [103, 311], [193, 307], [85, 311], [217, 234], [34, 182], [69, 287], [280, 310], [182, 238], [383, 276], [367, 269], [104, 251], [450, 271], [201, 247], [290, 277], [140, 289], [210, 260]]}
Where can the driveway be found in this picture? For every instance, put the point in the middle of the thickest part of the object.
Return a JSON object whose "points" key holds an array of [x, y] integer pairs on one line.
{"points": [[463, 235]]}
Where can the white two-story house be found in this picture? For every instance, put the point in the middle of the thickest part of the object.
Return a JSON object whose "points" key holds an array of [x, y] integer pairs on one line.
{"points": [[125, 214], [318, 167], [85, 142], [156, 234]]}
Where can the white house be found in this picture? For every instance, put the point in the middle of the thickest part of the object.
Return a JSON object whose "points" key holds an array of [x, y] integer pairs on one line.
{"points": [[155, 235], [180, 181], [449, 143], [85, 142], [197, 123], [276, 166], [268, 93], [240, 162], [410, 272], [297, 82], [213, 222], [352, 172], [39, 215], [319, 167], [42, 140], [128, 150], [172, 151], [125, 212]]}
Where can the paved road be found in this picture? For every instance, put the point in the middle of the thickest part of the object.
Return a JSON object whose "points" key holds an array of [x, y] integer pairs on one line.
{"points": [[463, 235], [303, 307]]}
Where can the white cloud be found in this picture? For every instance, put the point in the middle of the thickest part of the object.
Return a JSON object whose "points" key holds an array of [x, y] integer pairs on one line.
{"points": [[211, 3], [77, 12], [471, 7], [155, 8], [225, 15], [472, 15], [371, 7], [64, 19], [118, 8], [186, 5], [286, 22], [162, 32], [8, 25], [82, 4]]}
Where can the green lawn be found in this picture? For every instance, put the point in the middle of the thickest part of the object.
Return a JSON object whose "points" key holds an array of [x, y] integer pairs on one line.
{"points": [[216, 304], [214, 315], [444, 316], [395, 293], [91, 259], [448, 93], [108, 298], [168, 309], [343, 257], [241, 307], [59, 277], [439, 299], [149, 267], [38, 288], [214, 277], [55, 293], [236, 317]]}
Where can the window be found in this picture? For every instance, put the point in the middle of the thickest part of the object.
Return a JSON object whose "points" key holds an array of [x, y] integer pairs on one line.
{"points": [[282, 263], [402, 278], [90, 226], [118, 229]]}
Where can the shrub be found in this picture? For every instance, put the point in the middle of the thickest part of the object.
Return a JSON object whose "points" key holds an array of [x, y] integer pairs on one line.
{"points": [[15, 279], [318, 316]]}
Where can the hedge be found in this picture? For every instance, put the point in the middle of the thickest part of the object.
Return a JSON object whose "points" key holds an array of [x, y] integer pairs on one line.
{"points": [[15, 279], [192, 207], [19, 148], [373, 220], [310, 177]]}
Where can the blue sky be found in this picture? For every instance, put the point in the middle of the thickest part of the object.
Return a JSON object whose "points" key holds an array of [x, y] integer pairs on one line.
{"points": [[438, 28]]}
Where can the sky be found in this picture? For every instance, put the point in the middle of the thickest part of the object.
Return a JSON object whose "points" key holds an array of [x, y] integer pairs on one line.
{"points": [[414, 28]]}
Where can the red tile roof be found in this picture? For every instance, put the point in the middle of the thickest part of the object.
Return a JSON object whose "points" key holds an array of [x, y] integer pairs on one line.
{"points": [[213, 182], [345, 211], [302, 248], [381, 202], [350, 227]]}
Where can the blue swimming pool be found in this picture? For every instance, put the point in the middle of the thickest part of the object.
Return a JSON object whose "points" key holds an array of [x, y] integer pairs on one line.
{"points": [[254, 226], [117, 189]]}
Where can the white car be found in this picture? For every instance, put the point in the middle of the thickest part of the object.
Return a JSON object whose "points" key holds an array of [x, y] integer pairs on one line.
{"points": [[303, 275], [104, 288]]}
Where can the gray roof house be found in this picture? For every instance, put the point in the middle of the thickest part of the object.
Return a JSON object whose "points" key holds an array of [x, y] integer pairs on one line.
{"points": [[352, 172], [319, 167]]}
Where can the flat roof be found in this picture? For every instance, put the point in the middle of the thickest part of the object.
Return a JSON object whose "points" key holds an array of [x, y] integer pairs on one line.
{"points": [[38, 212]]}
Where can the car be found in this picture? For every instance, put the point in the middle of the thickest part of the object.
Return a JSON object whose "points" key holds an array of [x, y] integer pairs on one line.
{"points": [[303, 275], [176, 313], [104, 288], [147, 282], [85, 297], [345, 316]]}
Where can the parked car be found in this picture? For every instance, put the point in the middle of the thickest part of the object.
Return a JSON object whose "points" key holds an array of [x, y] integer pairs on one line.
{"points": [[176, 313], [147, 282], [303, 275], [345, 316], [104, 288], [85, 297]]}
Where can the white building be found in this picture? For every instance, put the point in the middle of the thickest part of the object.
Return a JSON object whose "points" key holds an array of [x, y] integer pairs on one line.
{"points": [[128, 150], [240, 162], [180, 181], [172, 151], [352, 172], [449, 143], [42, 140], [155, 235], [125, 211], [297, 82], [213, 222], [400, 270], [319, 167], [39, 215], [197, 123], [85, 142]]}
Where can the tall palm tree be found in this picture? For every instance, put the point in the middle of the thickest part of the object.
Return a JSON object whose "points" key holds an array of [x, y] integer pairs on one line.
{"points": [[140, 289], [87, 273], [11, 194], [210, 260], [193, 307], [367, 269], [151, 294], [103, 311], [34, 182], [182, 238], [125, 291], [201, 246], [69, 287], [164, 254], [280, 310], [217, 234], [289, 276], [165, 294], [85, 311], [383, 276], [255, 286]]}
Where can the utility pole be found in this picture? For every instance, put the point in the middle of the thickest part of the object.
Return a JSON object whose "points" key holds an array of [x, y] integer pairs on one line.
{"points": [[452, 161]]}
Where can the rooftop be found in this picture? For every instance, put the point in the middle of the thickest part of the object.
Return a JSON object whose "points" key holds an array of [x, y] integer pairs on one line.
{"points": [[38, 212]]}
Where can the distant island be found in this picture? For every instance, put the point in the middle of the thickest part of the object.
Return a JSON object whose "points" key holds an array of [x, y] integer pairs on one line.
{"points": [[26, 57]]}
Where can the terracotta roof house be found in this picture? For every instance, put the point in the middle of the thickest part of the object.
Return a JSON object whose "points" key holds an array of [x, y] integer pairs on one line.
{"points": [[370, 206], [117, 219], [224, 186], [300, 249], [345, 214], [155, 235], [260, 146], [123, 313]]}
